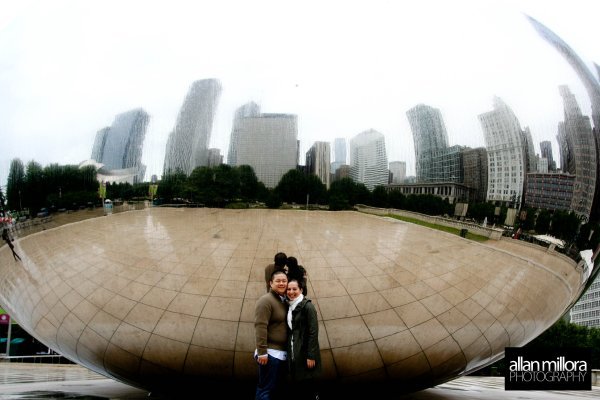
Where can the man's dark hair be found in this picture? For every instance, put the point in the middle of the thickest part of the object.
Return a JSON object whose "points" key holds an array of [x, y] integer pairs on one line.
{"points": [[280, 259], [277, 271]]}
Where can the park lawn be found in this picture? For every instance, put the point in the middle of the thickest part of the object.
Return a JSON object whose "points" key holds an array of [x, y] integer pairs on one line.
{"points": [[455, 231]]}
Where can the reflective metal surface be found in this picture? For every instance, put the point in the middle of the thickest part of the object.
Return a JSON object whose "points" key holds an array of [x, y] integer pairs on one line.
{"points": [[158, 296], [162, 297]]}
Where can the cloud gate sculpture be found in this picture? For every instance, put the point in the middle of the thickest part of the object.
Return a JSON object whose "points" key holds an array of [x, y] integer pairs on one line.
{"points": [[160, 296]]}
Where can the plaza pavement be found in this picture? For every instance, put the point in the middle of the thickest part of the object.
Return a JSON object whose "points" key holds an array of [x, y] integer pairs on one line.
{"points": [[69, 381]]}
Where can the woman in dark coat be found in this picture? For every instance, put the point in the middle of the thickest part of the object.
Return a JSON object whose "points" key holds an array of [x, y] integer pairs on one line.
{"points": [[304, 354]]}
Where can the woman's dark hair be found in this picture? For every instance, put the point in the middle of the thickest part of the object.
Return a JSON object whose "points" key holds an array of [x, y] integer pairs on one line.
{"points": [[299, 282]]}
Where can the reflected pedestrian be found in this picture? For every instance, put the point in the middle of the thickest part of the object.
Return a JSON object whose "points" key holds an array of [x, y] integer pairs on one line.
{"points": [[279, 262], [6, 237], [297, 272]]}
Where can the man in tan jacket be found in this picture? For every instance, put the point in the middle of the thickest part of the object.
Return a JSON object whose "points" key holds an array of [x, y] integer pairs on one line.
{"points": [[270, 327]]}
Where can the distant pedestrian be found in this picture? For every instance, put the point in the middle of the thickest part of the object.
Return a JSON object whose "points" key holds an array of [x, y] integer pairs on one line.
{"points": [[6, 237]]}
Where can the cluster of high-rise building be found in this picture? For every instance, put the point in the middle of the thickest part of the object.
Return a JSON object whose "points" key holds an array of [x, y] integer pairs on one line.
{"points": [[506, 171]]}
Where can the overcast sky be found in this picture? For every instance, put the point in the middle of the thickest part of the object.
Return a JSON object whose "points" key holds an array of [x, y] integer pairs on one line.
{"points": [[67, 68]]}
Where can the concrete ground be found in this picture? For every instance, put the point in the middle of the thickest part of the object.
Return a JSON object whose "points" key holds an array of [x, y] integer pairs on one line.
{"points": [[47, 381]]}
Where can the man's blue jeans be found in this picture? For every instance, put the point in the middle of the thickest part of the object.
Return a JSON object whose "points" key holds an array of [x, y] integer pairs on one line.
{"points": [[269, 378]]}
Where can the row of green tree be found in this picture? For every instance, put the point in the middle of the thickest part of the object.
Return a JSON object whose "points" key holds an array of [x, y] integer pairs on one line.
{"points": [[33, 187], [67, 186], [222, 185]]}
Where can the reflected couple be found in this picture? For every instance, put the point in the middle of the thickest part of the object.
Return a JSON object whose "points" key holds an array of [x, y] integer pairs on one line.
{"points": [[287, 331]]}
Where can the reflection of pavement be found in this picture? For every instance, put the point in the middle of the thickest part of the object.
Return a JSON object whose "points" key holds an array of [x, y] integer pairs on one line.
{"points": [[42, 381], [551, 260]]}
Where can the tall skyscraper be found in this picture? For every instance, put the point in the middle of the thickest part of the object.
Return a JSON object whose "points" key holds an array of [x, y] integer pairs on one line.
{"points": [[187, 145], [339, 146], [119, 146], [542, 165], [339, 150], [429, 135], [476, 172], [398, 170], [214, 157], [529, 151], [592, 86], [268, 143], [368, 159], [250, 109], [506, 159], [577, 130], [99, 143], [546, 152], [317, 161]]}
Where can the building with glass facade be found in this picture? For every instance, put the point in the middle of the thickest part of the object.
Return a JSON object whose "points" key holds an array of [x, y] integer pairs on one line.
{"points": [[339, 155], [429, 135], [187, 145], [529, 151], [577, 131], [339, 149], [268, 143], [542, 165], [549, 191], [592, 85], [368, 159], [398, 171], [475, 172], [119, 147], [318, 161], [250, 109], [546, 152], [506, 159], [443, 165], [214, 157]]}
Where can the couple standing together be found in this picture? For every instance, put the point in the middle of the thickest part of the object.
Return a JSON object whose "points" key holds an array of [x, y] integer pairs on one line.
{"points": [[287, 333]]}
